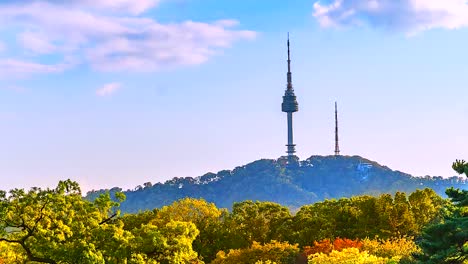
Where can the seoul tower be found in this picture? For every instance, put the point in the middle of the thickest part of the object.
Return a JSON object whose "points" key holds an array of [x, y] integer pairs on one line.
{"points": [[290, 106]]}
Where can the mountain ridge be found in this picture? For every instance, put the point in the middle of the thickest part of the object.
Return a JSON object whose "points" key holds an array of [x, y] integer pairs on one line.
{"points": [[308, 181]]}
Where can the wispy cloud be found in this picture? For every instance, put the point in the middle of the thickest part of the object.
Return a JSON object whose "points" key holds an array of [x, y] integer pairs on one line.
{"points": [[112, 35], [410, 16], [157, 46], [20, 68], [125, 6], [35, 42], [108, 89]]}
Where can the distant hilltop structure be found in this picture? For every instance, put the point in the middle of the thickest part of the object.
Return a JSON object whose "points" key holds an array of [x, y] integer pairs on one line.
{"points": [[337, 145], [289, 106]]}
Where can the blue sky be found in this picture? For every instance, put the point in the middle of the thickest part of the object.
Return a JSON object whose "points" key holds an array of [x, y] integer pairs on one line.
{"points": [[118, 93]]}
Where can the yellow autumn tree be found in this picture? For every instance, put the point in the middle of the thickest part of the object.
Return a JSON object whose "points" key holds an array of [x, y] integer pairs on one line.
{"points": [[274, 252], [346, 256]]}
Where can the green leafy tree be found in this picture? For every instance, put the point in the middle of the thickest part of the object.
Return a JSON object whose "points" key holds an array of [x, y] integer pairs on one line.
{"points": [[403, 216], [134, 221], [59, 226], [461, 167], [160, 240], [56, 225], [257, 221], [447, 242], [365, 216], [368, 221], [315, 222], [395, 216], [426, 206], [207, 218], [165, 243]]}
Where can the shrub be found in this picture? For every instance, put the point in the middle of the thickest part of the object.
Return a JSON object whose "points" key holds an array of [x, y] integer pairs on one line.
{"points": [[394, 248], [346, 256], [274, 252]]}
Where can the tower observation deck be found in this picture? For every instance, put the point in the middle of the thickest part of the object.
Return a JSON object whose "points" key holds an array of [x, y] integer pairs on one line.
{"points": [[290, 106]]}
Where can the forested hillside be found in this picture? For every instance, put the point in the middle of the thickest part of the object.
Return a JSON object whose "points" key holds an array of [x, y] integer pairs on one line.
{"points": [[309, 181]]}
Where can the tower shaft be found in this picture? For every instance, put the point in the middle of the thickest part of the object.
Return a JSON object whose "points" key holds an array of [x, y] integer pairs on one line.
{"points": [[291, 147], [337, 146]]}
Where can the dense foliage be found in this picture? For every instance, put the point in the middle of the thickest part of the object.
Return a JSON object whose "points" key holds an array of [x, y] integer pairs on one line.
{"points": [[59, 226], [366, 216], [312, 180], [447, 242]]}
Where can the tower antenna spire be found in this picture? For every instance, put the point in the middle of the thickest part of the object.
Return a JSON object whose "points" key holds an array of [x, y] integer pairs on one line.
{"points": [[289, 106], [337, 146], [290, 87]]}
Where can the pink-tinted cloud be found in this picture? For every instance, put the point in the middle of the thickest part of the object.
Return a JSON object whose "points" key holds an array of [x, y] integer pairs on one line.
{"points": [[36, 42], [109, 41], [125, 6], [160, 46], [410, 16], [108, 89], [21, 68]]}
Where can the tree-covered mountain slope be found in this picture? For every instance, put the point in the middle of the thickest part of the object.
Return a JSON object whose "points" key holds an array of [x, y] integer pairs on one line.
{"points": [[309, 181]]}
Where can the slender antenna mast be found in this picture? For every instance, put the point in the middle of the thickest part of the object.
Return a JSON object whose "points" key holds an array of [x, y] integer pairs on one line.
{"points": [[337, 146], [289, 86]]}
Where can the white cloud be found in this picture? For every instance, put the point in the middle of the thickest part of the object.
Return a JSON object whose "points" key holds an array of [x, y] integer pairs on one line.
{"points": [[20, 68], [113, 41], [126, 6], [410, 16], [108, 89], [35, 42], [159, 46]]}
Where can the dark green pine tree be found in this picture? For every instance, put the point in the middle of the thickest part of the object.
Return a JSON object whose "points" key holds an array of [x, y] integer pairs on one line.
{"points": [[447, 242]]}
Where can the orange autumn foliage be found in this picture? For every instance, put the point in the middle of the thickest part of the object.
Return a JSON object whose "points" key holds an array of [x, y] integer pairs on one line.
{"points": [[341, 243], [322, 246], [326, 246]]}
